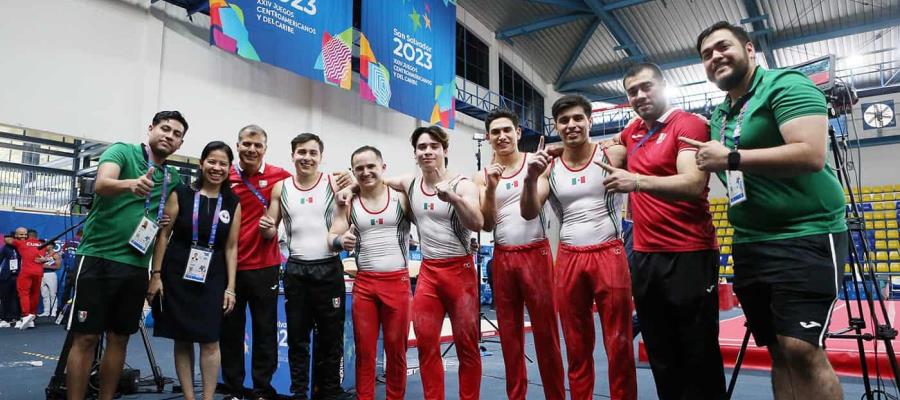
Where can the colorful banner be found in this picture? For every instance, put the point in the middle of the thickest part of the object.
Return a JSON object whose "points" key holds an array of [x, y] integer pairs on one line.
{"points": [[312, 38], [408, 57]]}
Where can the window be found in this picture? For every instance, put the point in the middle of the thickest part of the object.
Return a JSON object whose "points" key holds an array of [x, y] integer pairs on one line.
{"points": [[471, 57], [529, 102]]}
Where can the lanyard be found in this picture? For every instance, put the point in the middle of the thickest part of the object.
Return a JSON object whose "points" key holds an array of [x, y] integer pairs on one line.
{"points": [[736, 134], [162, 195], [253, 189], [196, 217], [656, 127]]}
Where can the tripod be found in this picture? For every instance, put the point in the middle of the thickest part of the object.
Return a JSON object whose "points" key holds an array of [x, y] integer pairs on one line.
{"points": [[861, 271]]}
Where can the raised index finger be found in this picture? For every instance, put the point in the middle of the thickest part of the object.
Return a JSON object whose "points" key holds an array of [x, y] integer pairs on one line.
{"points": [[690, 141], [541, 143], [605, 166]]}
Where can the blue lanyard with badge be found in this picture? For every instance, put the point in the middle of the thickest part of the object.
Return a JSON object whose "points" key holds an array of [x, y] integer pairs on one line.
{"points": [[145, 232], [200, 257], [13, 263], [737, 192]]}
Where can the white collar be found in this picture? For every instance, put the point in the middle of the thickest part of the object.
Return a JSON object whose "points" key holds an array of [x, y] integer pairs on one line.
{"points": [[262, 167]]}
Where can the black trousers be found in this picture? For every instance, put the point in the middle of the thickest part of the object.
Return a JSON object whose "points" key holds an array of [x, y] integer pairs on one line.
{"points": [[257, 288], [9, 300], [677, 301], [314, 300]]}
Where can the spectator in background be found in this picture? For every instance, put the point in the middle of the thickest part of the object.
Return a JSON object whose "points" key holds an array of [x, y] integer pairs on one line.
{"points": [[28, 283], [9, 271], [50, 282]]}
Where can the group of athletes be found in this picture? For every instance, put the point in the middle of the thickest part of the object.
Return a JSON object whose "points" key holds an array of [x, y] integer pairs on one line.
{"points": [[765, 142]]}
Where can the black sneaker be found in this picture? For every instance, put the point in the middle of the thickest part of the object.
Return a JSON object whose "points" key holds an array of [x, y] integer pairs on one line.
{"points": [[232, 397]]}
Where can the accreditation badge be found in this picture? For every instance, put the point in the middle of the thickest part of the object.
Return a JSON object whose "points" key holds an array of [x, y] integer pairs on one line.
{"points": [[737, 193], [14, 265], [143, 235], [198, 264]]}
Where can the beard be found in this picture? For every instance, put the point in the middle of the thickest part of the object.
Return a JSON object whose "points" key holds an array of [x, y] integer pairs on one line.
{"points": [[738, 70]]}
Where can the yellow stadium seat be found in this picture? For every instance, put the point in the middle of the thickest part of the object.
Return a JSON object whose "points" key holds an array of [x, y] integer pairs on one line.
{"points": [[883, 268], [720, 232], [729, 231], [877, 197], [881, 256], [878, 215], [879, 225], [889, 196], [880, 234], [847, 268], [895, 267], [890, 224], [726, 240], [729, 270], [881, 245], [893, 234], [890, 214], [716, 223], [878, 206], [866, 197], [730, 260], [869, 215], [894, 255], [894, 244], [870, 225], [867, 189], [886, 188], [721, 270], [727, 249], [846, 191]]}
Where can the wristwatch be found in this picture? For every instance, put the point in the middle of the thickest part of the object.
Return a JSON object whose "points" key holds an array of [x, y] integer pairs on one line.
{"points": [[734, 160]]}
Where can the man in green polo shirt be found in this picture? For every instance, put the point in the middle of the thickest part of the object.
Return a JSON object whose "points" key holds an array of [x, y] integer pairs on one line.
{"points": [[768, 145], [133, 183]]}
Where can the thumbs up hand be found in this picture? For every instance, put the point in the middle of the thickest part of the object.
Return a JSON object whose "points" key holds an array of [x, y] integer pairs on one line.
{"points": [[141, 186], [348, 239], [618, 180]]}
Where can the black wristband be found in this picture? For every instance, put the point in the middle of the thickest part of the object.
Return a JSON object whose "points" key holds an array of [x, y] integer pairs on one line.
{"points": [[734, 160]]}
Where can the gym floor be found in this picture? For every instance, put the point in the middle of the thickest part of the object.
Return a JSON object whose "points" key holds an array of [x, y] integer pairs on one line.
{"points": [[28, 359]]}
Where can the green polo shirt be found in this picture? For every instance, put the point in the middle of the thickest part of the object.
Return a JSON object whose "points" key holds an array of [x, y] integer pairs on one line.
{"points": [[112, 219], [779, 208]]}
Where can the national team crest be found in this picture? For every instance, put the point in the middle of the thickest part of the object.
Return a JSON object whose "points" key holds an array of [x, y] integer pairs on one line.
{"points": [[336, 302], [662, 136], [82, 316]]}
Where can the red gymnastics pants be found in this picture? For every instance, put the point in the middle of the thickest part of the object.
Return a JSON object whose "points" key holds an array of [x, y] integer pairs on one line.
{"points": [[597, 273], [381, 298], [447, 286], [523, 276], [29, 287]]}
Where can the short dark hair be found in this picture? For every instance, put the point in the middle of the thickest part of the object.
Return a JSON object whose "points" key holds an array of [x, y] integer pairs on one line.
{"points": [[736, 30], [364, 149], [253, 129], [167, 115], [306, 137], [569, 101], [211, 147], [33, 232], [499, 113], [635, 69], [436, 133]]}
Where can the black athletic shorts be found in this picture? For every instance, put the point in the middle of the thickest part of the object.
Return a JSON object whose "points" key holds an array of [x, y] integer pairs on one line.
{"points": [[109, 296], [787, 287]]}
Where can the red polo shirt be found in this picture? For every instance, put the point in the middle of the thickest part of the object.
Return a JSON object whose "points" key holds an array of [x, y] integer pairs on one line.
{"points": [[662, 225], [254, 252], [28, 251]]}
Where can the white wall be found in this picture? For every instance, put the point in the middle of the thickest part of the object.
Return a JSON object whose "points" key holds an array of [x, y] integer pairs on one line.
{"points": [[100, 69]]}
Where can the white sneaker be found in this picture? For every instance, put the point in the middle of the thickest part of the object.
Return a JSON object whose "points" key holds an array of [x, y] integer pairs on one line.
{"points": [[53, 314], [4, 324], [43, 314], [28, 320], [18, 324]]}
